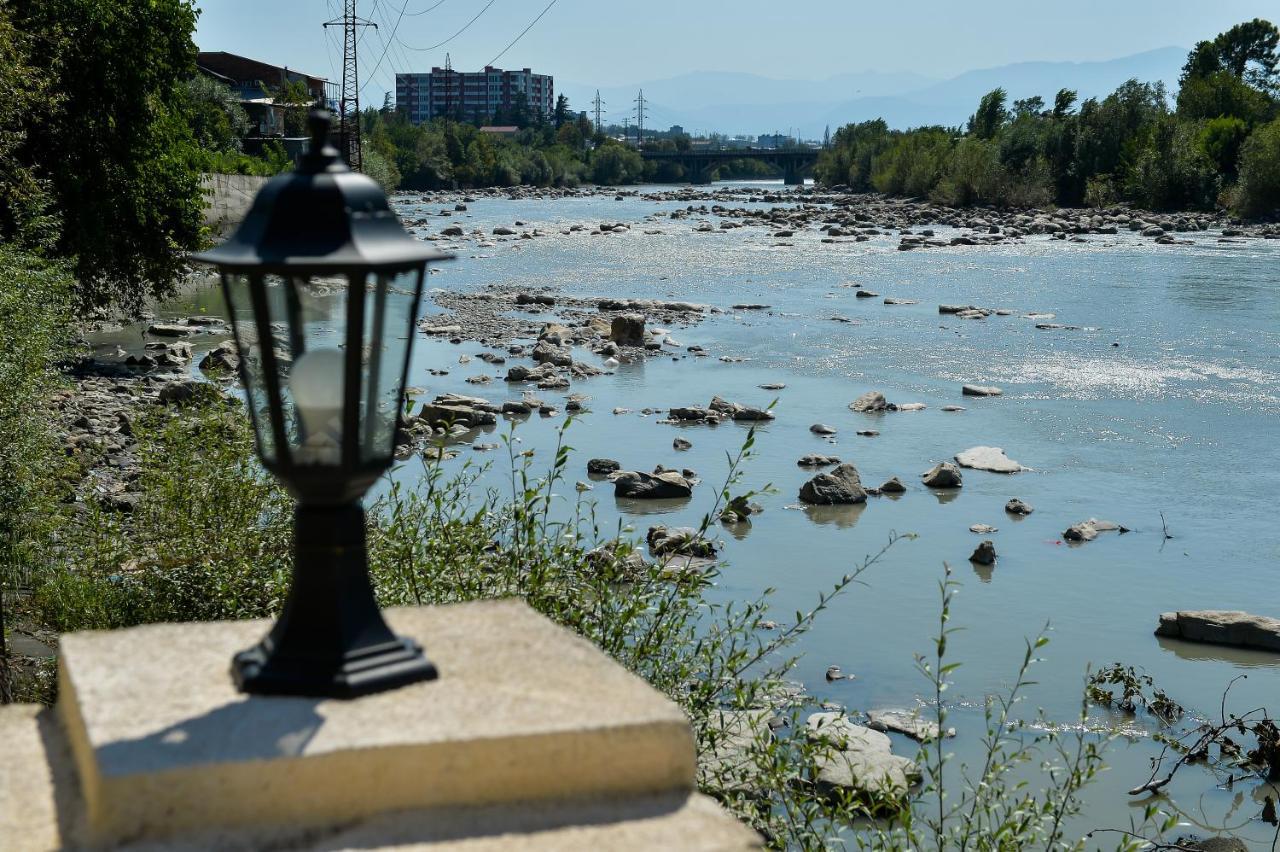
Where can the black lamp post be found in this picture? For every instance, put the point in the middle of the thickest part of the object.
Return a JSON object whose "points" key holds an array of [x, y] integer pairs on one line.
{"points": [[323, 284]]}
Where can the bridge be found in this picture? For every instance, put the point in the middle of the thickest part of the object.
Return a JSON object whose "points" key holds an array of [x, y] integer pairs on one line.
{"points": [[699, 165]]}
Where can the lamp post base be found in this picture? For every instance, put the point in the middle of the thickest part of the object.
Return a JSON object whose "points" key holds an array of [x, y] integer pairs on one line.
{"points": [[395, 664], [331, 640]]}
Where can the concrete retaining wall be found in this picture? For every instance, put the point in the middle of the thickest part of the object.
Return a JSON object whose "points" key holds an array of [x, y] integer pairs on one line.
{"points": [[228, 198]]}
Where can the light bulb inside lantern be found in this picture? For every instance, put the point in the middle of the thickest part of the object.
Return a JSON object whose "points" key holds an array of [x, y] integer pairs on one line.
{"points": [[316, 382]]}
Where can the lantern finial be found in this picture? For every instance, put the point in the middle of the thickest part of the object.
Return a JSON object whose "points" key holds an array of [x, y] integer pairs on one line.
{"points": [[321, 156]]}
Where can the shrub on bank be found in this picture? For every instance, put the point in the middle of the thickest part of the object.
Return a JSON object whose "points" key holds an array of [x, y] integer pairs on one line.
{"points": [[1258, 193], [35, 295]]}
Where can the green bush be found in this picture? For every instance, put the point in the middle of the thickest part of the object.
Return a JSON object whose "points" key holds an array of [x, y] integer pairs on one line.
{"points": [[35, 297], [913, 163], [1258, 193], [974, 175]]}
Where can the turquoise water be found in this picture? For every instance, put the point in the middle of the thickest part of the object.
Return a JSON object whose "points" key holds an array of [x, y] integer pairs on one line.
{"points": [[1180, 418]]}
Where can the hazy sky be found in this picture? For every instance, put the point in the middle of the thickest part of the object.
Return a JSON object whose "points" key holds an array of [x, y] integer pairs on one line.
{"points": [[614, 42]]}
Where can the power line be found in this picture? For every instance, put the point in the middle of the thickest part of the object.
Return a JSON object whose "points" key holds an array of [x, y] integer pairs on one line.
{"points": [[465, 27], [386, 43], [522, 32], [424, 11]]}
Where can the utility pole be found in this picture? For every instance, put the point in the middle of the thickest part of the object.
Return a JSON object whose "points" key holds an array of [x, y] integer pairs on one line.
{"points": [[599, 106], [640, 113], [349, 104], [626, 129], [448, 88]]}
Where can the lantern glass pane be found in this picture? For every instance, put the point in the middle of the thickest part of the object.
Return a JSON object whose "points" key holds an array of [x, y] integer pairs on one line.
{"points": [[390, 310], [292, 337], [238, 290]]}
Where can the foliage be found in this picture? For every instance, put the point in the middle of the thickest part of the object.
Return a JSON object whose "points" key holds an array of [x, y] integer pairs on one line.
{"points": [[1122, 687], [297, 100], [273, 161], [1171, 170], [1100, 192], [914, 164], [1221, 140], [34, 312], [218, 121], [34, 309], [27, 213], [991, 115], [1247, 51], [116, 147], [1129, 146], [1258, 192]]}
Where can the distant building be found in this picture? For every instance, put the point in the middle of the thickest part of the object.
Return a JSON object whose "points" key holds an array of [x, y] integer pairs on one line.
{"points": [[676, 130], [473, 96], [505, 130], [255, 83], [773, 140]]}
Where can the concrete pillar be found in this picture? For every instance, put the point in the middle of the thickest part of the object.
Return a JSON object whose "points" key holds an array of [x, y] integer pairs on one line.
{"points": [[531, 736]]}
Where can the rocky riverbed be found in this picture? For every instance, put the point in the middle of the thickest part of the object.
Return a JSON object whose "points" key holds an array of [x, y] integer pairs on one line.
{"points": [[1061, 377]]}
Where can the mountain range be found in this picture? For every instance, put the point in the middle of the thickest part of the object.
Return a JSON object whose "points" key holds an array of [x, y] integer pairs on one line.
{"points": [[739, 102]]}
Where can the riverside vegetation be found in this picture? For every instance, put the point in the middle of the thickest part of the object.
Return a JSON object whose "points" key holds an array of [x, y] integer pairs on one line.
{"points": [[1217, 146]]}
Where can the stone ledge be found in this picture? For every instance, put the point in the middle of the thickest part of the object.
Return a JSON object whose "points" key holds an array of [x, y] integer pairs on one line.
{"points": [[524, 710], [38, 813]]}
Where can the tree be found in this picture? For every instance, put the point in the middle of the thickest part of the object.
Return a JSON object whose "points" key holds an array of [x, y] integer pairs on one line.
{"points": [[562, 111], [1063, 102], [991, 115], [118, 149], [1221, 140], [1247, 51], [1221, 93], [1258, 193], [28, 215], [613, 164], [297, 101], [1032, 106], [218, 121], [570, 136]]}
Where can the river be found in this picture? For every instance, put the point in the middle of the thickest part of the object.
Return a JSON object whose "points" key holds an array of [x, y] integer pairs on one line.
{"points": [[1165, 402]]}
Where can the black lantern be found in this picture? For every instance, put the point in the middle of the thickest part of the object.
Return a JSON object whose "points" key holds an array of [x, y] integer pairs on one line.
{"points": [[322, 285]]}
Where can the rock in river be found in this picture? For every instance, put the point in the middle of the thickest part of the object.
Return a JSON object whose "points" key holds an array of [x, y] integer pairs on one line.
{"points": [[943, 475], [988, 458], [892, 485], [841, 486], [980, 390], [869, 401], [1017, 507], [905, 722], [816, 460], [822, 429], [1222, 627], [985, 554], [628, 329], [1088, 530], [860, 760], [602, 466], [683, 541], [651, 486]]}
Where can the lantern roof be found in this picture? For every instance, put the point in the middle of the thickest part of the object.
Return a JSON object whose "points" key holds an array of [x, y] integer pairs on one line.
{"points": [[320, 217]]}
